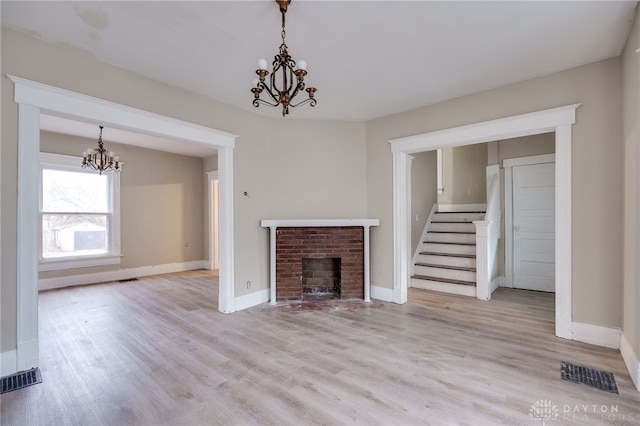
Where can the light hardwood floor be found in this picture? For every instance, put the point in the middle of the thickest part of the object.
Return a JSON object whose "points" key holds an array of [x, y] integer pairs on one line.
{"points": [[156, 351]]}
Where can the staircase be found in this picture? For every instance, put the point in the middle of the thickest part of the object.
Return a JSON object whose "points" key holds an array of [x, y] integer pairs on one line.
{"points": [[446, 259]]}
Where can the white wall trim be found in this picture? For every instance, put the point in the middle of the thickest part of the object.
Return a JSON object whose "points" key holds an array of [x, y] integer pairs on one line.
{"points": [[119, 274], [8, 361], [33, 98], [448, 208], [423, 238], [631, 360], [558, 120], [527, 161], [495, 283], [252, 299], [596, 335], [382, 293]]}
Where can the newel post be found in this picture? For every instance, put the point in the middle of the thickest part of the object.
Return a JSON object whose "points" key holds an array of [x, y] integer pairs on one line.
{"points": [[483, 247]]}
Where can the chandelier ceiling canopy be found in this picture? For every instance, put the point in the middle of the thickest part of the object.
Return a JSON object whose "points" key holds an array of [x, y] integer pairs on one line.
{"points": [[281, 88]]}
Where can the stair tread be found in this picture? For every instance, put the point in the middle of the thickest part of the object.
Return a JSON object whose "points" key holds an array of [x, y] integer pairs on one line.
{"points": [[467, 211], [455, 268], [450, 232], [453, 244], [444, 280], [434, 253]]}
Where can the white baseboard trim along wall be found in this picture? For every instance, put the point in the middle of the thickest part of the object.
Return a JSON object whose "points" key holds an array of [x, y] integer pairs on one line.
{"points": [[631, 360], [252, 299], [8, 361], [120, 274], [596, 335], [382, 293]]}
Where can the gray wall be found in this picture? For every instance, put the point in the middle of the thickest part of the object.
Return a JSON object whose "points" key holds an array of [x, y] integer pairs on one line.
{"points": [[424, 194], [631, 101], [464, 175], [162, 207]]}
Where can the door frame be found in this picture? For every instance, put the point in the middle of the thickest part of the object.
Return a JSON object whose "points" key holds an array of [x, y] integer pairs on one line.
{"points": [[558, 120], [508, 165], [32, 98]]}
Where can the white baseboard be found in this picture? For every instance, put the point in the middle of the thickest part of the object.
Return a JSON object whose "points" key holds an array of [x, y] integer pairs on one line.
{"points": [[8, 363], [382, 293], [631, 360], [497, 282], [120, 274], [449, 208], [252, 299], [596, 335]]}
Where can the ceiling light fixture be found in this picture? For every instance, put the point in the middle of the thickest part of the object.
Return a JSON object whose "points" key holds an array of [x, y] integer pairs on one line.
{"points": [[284, 69], [99, 159]]}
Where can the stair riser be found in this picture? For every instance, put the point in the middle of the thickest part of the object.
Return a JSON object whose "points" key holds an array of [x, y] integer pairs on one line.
{"points": [[463, 290], [461, 262], [452, 227], [457, 217], [450, 274], [449, 248], [451, 238]]}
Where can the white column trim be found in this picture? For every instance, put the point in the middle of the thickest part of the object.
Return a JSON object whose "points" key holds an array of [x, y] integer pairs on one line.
{"points": [[401, 230], [226, 256], [272, 264], [212, 220], [367, 262], [27, 274], [558, 120], [563, 232]]}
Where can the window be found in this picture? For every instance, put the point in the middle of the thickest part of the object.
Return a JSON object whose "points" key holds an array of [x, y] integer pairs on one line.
{"points": [[79, 214]]}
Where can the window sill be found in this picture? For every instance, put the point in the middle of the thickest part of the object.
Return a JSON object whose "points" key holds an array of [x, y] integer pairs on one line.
{"points": [[58, 265]]}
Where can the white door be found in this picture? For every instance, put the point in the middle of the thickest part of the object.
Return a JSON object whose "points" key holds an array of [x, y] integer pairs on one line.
{"points": [[534, 227]]}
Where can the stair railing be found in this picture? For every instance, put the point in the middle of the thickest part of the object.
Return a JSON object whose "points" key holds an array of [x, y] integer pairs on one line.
{"points": [[487, 236]]}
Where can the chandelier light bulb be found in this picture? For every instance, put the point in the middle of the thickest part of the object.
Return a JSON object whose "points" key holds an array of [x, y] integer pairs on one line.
{"points": [[302, 64], [262, 64]]}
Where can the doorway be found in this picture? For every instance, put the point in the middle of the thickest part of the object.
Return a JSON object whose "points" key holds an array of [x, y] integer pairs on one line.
{"points": [[558, 120], [33, 97]]}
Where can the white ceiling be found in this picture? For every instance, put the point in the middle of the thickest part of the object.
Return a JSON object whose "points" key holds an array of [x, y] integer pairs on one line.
{"points": [[367, 58]]}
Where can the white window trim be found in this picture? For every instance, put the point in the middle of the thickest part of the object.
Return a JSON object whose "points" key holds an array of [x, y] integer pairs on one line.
{"points": [[71, 262]]}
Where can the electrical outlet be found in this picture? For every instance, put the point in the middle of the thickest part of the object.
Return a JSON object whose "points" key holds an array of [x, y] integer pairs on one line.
{"points": [[248, 284]]}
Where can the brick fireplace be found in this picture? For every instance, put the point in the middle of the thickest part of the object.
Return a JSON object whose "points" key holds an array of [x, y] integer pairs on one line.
{"points": [[319, 258]]}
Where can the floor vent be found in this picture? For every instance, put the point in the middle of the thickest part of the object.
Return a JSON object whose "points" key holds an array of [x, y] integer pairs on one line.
{"points": [[126, 280], [598, 379], [21, 380]]}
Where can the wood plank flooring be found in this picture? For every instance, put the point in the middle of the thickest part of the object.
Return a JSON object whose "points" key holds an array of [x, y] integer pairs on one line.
{"points": [[157, 352]]}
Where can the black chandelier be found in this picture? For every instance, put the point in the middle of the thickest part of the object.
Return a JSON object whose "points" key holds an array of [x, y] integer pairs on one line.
{"points": [[99, 159], [285, 66]]}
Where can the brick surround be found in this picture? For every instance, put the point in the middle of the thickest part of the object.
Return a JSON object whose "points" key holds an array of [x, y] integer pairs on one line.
{"points": [[293, 244]]}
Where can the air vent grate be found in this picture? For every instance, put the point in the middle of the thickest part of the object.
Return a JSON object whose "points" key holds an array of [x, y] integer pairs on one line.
{"points": [[126, 280], [21, 380], [598, 379]]}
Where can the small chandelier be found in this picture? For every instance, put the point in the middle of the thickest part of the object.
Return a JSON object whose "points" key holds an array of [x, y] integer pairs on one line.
{"points": [[284, 69], [99, 159]]}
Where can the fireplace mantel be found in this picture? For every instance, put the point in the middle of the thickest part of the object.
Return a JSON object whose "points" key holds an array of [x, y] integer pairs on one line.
{"points": [[273, 225]]}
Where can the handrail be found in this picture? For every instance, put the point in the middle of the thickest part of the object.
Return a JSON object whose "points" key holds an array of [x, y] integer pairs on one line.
{"points": [[487, 236]]}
